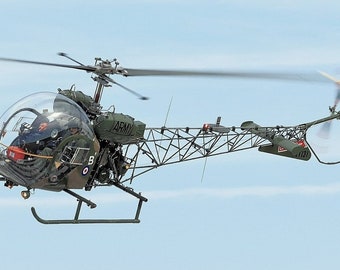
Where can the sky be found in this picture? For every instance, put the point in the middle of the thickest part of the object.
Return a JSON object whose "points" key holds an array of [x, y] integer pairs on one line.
{"points": [[250, 210]]}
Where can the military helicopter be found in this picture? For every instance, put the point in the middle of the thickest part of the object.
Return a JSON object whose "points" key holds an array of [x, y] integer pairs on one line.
{"points": [[65, 141]]}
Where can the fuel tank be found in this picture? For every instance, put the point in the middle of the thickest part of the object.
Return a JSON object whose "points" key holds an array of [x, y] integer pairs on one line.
{"points": [[118, 128]]}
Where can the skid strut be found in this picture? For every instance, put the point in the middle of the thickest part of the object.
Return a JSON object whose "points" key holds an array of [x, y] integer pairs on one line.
{"points": [[92, 205]]}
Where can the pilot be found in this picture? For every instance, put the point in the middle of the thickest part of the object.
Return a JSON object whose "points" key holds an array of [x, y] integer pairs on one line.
{"points": [[31, 136], [40, 123], [74, 127]]}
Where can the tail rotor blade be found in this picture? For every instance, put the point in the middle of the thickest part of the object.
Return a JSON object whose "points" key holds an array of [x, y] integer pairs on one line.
{"points": [[324, 132], [326, 127], [330, 77]]}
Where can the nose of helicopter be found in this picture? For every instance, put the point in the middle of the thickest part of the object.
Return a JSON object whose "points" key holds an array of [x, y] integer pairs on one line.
{"points": [[31, 131]]}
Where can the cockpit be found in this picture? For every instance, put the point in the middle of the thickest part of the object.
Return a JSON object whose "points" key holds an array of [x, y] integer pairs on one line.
{"points": [[43, 137]]}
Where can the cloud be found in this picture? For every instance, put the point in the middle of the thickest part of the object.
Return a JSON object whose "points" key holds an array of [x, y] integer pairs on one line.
{"points": [[214, 193], [260, 191]]}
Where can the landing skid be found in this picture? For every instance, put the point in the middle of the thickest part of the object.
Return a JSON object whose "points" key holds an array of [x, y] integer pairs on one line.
{"points": [[92, 205]]}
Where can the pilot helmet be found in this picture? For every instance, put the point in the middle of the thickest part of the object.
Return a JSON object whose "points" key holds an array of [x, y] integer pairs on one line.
{"points": [[73, 123]]}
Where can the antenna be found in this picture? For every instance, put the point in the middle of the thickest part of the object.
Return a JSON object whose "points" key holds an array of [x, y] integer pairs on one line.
{"points": [[204, 166], [167, 113]]}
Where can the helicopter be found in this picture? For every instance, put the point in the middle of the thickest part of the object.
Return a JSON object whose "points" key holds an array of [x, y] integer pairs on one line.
{"points": [[65, 141]]}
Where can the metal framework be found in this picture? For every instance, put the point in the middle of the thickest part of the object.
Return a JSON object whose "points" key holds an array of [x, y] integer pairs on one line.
{"points": [[164, 146]]}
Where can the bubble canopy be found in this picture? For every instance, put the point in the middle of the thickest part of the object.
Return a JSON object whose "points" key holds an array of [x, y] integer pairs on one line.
{"points": [[40, 131], [41, 116]]}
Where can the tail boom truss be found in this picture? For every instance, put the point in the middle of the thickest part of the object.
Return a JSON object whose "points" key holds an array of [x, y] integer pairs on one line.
{"points": [[164, 146]]}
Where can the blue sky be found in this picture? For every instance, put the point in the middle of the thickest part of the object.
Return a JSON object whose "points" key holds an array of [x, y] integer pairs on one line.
{"points": [[252, 210]]}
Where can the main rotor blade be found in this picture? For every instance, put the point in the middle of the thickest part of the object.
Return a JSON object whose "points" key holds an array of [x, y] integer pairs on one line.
{"points": [[131, 91], [237, 74], [86, 68], [128, 72], [124, 87]]}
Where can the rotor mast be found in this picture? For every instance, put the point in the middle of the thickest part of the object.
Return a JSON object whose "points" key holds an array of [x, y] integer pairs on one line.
{"points": [[102, 69]]}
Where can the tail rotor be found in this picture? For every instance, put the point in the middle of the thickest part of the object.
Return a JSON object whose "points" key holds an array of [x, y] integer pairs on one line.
{"points": [[326, 127]]}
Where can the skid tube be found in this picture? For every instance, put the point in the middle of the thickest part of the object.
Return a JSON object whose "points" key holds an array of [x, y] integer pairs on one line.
{"points": [[92, 205]]}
